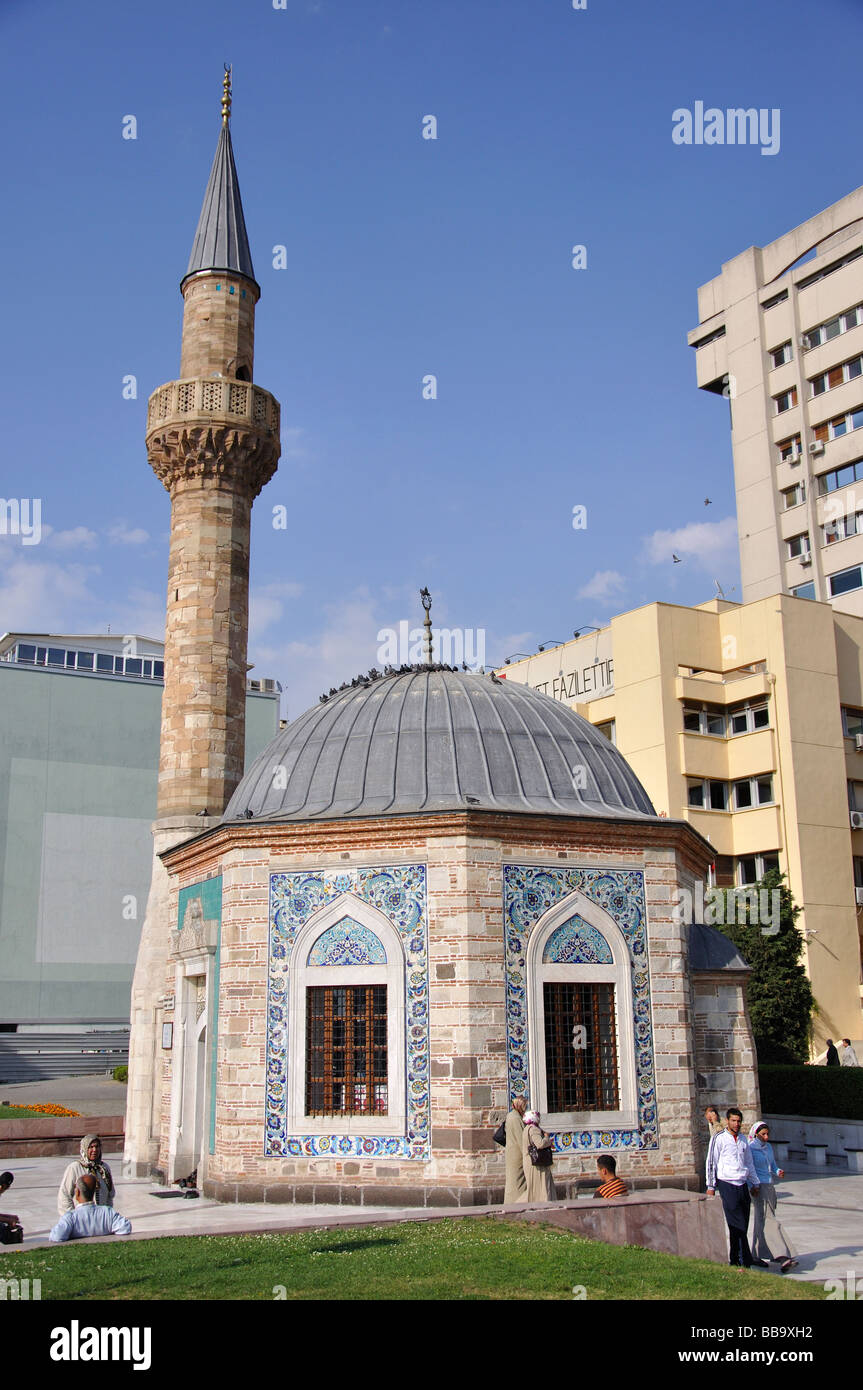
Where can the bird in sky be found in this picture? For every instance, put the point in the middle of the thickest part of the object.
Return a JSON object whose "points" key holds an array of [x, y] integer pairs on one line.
{"points": [[675, 558], [707, 501]]}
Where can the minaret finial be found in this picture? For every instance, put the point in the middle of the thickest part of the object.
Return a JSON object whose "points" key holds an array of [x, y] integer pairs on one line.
{"points": [[226, 94], [429, 640]]}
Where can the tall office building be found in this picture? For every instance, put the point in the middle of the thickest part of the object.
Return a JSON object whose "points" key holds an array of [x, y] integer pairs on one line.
{"points": [[747, 721], [780, 334]]}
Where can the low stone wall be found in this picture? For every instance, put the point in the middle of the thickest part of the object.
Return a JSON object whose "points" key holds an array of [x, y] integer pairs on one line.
{"points": [[48, 1135], [800, 1130], [675, 1222]]}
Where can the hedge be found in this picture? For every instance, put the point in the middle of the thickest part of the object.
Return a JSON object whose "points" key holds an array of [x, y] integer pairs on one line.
{"points": [[833, 1093], [121, 1073]]}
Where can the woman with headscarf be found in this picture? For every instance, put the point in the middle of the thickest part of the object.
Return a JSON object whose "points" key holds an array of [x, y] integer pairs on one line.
{"points": [[516, 1186], [537, 1175], [90, 1161], [767, 1234]]}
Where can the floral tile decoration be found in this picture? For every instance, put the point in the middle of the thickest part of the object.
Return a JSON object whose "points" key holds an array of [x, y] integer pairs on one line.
{"points": [[528, 892], [400, 893]]}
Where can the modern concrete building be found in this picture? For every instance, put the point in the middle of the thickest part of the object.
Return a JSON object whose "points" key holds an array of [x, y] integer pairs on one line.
{"points": [[746, 720], [780, 334], [79, 756]]}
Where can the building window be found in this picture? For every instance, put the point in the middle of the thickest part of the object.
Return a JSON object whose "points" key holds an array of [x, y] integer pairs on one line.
{"points": [[793, 496], [798, 545], [581, 1024], [580, 1077], [786, 400], [346, 1050], [845, 581], [608, 729], [841, 527], [346, 1020], [840, 425], [855, 796], [852, 722], [752, 791], [803, 590], [746, 718], [790, 449], [858, 872], [830, 269], [775, 299], [751, 868], [825, 332], [840, 477], [706, 794], [779, 356], [704, 719], [836, 376]]}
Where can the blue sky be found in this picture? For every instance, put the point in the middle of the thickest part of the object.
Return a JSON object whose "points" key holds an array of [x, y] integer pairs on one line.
{"points": [[406, 257]]}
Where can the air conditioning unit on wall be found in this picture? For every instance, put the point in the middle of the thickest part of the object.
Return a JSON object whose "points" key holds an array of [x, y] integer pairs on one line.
{"points": [[817, 446], [857, 820]]}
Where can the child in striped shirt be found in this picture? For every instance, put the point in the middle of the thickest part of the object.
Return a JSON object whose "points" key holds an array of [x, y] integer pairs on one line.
{"points": [[611, 1184]]}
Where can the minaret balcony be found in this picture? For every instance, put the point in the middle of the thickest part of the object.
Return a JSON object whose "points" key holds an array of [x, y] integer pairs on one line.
{"points": [[203, 400]]}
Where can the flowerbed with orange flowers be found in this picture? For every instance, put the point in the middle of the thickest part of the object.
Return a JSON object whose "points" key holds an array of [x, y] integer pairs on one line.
{"points": [[22, 1112]]}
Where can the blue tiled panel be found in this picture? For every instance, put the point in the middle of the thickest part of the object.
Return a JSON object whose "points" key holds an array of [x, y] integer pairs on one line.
{"points": [[400, 894], [528, 892]]}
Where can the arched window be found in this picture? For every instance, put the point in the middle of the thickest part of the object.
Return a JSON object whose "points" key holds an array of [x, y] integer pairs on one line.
{"points": [[580, 1019], [346, 1070]]}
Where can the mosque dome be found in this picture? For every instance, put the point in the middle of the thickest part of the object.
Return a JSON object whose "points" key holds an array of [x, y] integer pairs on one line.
{"points": [[428, 739]]}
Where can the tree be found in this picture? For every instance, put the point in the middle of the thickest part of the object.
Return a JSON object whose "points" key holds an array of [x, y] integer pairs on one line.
{"points": [[779, 994]]}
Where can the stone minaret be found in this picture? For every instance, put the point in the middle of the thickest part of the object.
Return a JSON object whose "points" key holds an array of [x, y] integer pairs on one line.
{"points": [[213, 441]]}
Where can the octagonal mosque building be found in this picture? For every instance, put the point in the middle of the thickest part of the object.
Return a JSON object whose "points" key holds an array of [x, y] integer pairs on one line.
{"points": [[434, 892]]}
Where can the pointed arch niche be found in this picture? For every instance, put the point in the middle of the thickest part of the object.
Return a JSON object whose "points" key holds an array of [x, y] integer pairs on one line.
{"points": [[562, 956], [347, 943]]}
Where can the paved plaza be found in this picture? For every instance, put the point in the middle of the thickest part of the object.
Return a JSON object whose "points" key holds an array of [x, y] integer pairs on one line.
{"points": [[823, 1215]]}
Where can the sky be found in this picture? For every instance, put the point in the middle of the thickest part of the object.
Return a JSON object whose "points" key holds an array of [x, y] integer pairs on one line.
{"points": [[406, 258]]}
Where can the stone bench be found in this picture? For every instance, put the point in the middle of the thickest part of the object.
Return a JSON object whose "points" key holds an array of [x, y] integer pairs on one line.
{"points": [[855, 1160], [816, 1154]]}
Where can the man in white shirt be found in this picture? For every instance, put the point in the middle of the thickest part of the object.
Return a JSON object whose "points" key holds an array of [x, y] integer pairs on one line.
{"points": [[88, 1219], [848, 1057], [731, 1173]]}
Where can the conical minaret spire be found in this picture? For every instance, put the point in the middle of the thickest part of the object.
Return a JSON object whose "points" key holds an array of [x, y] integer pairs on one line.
{"points": [[221, 242]]}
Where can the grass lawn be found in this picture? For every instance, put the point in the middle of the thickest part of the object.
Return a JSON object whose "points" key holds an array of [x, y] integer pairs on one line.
{"points": [[473, 1258]]}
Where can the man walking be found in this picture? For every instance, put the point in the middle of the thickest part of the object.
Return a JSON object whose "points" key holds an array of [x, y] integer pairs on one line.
{"points": [[848, 1057], [832, 1056], [731, 1173]]}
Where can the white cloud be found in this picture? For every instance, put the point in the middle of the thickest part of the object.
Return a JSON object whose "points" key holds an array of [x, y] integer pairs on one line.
{"points": [[119, 533], [77, 538], [604, 584], [711, 544], [267, 604]]}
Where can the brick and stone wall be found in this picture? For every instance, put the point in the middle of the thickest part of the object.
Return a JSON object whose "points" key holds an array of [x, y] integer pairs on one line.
{"points": [[464, 855]]}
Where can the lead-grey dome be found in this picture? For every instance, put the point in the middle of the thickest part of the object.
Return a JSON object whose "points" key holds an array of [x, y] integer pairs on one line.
{"points": [[438, 740]]}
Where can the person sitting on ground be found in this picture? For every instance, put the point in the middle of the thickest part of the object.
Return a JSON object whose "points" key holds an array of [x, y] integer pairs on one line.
{"points": [[90, 1162], [7, 1218], [612, 1185], [88, 1218], [848, 1057]]}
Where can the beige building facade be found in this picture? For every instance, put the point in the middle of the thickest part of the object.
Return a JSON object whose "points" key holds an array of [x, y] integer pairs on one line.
{"points": [[747, 721], [780, 334]]}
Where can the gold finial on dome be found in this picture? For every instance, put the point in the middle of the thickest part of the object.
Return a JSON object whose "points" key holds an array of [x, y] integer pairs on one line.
{"points": [[226, 94]]}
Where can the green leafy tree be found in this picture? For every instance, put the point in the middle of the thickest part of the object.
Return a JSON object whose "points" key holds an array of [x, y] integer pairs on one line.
{"points": [[781, 1003]]}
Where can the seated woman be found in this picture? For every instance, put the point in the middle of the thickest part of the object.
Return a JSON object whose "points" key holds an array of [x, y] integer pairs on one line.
{"points": [[89, 1162]]}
